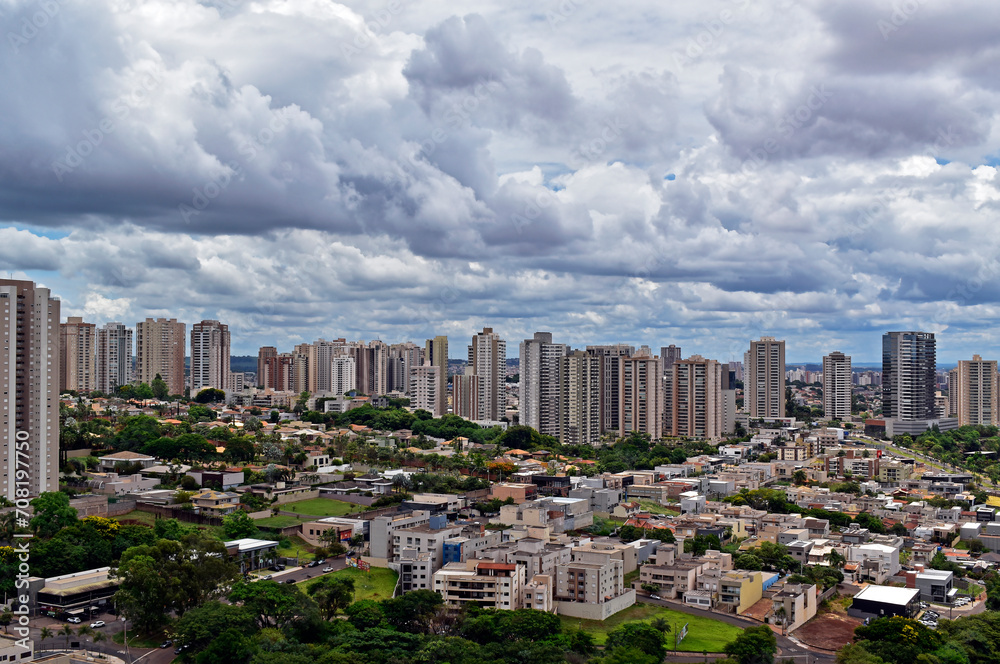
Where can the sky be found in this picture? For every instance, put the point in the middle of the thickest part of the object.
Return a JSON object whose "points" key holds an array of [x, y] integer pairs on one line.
{"points": [[651, 173]]}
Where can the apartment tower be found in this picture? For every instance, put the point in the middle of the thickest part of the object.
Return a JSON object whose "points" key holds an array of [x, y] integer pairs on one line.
{"points": [[580, 399], [160, 345], [837, 385], [77, 355], [210, 344], [641, 398], [764, 383], [264, 354], [114, 357], [611, 362], [436, 354], [694, 403], [909, 362], [540, 389], [488, 359], [29, 374], [975, 392]]}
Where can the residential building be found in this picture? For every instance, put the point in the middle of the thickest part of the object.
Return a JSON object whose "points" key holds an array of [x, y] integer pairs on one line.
{"points": [[934, 585], [764, 386], [77, 355], [318, 357], [580, 402], [797, 604], [159, 346], [592, 587], [641, 394], [877, 561], [974, 392], [216, 503], [436, 354], [465, 395], [423, 389], [837, 385], [693, 396], [885, 601], [29, 375], [277, 374], [264, 353], [739, 590], [383, 529], [343, 375], [486, 584], [402, 358], [669, 355], [488, 360], [540, 392], [114, 357], [611, 358], [300, 380], [908, 376], [210, 353]]}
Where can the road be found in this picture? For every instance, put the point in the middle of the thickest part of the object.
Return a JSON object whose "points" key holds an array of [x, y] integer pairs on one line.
{"points": [[787, 647]]}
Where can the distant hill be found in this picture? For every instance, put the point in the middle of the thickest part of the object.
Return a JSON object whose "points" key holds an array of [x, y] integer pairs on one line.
{"points": [[242, 363]]}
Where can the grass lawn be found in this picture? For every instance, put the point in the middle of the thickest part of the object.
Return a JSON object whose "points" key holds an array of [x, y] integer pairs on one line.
{"points": [[136, 515], [631, 576], [376, 584], [321, 507], [298, 547], [280, 521], [654, 507], [704, 634]]}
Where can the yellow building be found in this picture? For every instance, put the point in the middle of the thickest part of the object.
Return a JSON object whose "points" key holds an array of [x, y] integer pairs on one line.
{"points": [[740, 589]]}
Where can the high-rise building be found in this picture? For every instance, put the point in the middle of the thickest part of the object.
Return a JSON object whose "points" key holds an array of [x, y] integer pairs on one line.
{"points": [[277, 374], [300, 379], [973, 392], [909, 362], [319, 355], [694, 403], [669, 355], [343, 375], [611, 363], [837, 385], [160, 346], [77, 355], [641, 400], [114, 357], [263, 355], [465, 395], [423, 388], [488, 359], [764, 384], [540, 389], [372, 367], [436, 353], [402, 358], [580, 401], [210, 344], [29, 375]]}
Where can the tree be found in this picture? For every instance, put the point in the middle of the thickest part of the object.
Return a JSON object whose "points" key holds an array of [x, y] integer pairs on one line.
{"points": [[6, 618], [52, 513], [755, 645], [210, 395], [332, 593], [199, 413], [160, 389], [67, 631], [897, 640], [142, 592], [413, 611], [643, 636], [366, 614], [273, 604], [699, 544], [239, 525], [200, 626]]}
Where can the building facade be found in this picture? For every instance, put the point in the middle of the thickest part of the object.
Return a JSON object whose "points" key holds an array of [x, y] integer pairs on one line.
{"points": [[580, 404], [909, 362], [837, 385], [423, 387], [764, 384], [29, 374], [488, 359], [160, 345], [974, 392], [114, 357], [77, 355], [641, 387], [693, 394], [210, 348], [436, 354], [540, 386], [611, 358]]}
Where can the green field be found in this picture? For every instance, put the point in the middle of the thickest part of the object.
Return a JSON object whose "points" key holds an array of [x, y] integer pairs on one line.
{"points": [[654, 507], [298, 547], [280, 521], [376, 584], [321, 507], [704, 634]]}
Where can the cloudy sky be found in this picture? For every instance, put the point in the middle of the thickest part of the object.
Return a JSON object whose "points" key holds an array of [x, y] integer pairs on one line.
{"points": [[691, 173]]}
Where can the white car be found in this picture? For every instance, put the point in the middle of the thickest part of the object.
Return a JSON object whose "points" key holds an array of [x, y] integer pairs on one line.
{"points": [[327, 569], [97, 624]]}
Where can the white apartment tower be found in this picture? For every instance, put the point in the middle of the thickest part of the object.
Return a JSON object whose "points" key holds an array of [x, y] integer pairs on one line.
{"points": [[29, 375], [436, 353], [78, 355], [611, 362], [343, 375], [114, 357], [540, 389], [764, 385], [210, 347], [488, 359], [641, 399], [837, 385], [423, 388]]}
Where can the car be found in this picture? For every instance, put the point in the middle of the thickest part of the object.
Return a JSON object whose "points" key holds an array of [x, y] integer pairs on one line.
{"points": [[327, 569], [289, 580], [74, 620], [655, 596], [179, 649], [321, 561], [166, 644], [313, 564], [97, 624]]}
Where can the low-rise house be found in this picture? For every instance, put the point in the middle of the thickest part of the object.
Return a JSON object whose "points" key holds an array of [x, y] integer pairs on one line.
{"points": [[739, 590], [216, 503], [795, 604]]}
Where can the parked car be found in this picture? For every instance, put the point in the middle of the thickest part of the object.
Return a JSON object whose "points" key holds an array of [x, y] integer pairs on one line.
{"points": [[313, 564], [267, 577], [290, 581], [74, 620], [97, 624], [321, 561], [327, 569], [167, 644], [179, 649]]}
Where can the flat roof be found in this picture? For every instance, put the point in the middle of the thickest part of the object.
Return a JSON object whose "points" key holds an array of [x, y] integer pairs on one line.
{"points": [[888, 594], [249, 544]]}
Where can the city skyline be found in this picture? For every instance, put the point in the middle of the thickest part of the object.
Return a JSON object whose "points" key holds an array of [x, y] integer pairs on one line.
{"points": [[657, 173]]}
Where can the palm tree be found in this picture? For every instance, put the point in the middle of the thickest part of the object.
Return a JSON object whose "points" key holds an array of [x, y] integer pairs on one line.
{"points": [[84, 630], [66, 631], [660, 624], [45, 633], [835, 559]]}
